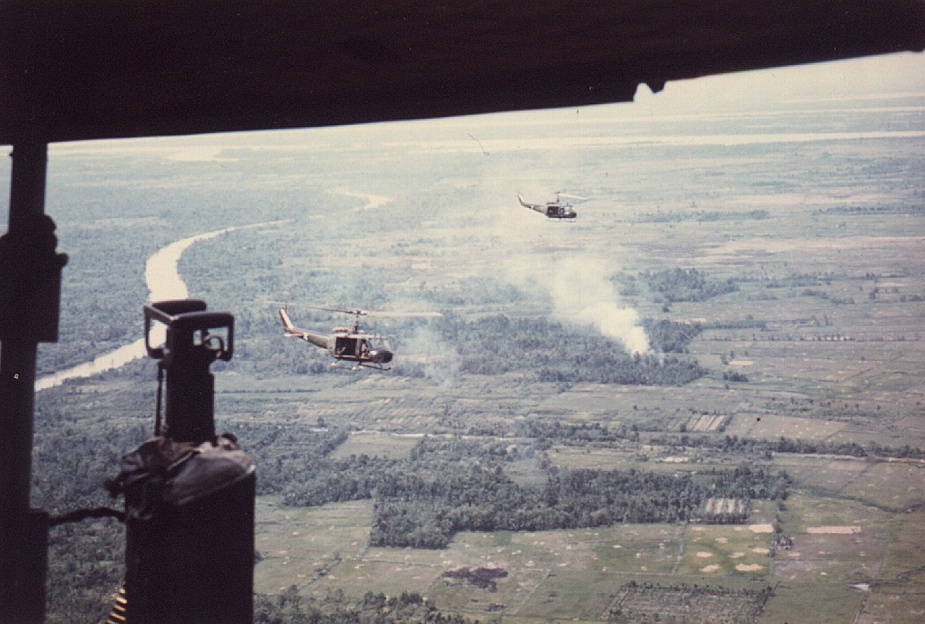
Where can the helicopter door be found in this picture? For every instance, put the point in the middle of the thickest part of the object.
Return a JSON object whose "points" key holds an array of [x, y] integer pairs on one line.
{"points": [[345, 346]]}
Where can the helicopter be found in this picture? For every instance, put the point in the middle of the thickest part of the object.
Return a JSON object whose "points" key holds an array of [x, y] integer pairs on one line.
{"points": [[553, 210], [349, 344]]}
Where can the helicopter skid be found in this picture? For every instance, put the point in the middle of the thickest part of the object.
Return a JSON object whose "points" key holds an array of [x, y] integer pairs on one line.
{"points": [[358, 366], [374, 367]]}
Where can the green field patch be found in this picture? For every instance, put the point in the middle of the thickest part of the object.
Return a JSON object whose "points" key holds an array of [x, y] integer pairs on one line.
{"points": [[637, 549], [835, 556], [911, 424], [836, 544], [442, 559], [884, 604], [821, 473], [527, 470], [591, 458], [803, 510], [296, 543], [356, 577], [376, 444], [568, 594], [903, 569], [772, 427], [819, 601], [762, 512], [895, 485], [647, 407], [649, 458], [721, 550], [539, 550]]}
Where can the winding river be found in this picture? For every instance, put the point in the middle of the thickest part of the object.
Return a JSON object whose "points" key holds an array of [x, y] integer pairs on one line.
{"points": [[164, 282]]}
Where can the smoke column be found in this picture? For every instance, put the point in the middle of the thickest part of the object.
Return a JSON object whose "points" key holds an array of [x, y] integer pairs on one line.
{"points": [[583, 293]]}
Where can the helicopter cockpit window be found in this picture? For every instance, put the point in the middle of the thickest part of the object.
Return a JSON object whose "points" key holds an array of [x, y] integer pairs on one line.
{"points": [[377, 342]]}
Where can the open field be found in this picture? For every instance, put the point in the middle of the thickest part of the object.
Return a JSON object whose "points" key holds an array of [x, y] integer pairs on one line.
{"points": [[557, 573]]}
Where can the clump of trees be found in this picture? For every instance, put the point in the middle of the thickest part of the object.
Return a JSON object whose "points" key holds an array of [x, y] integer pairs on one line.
{"points": [[670, 336], [734, 376], [483, 578], [686, 284]]}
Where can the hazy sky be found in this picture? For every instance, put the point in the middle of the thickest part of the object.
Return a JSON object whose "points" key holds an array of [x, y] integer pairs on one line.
{"points": [[893, 74], [882, 79]]}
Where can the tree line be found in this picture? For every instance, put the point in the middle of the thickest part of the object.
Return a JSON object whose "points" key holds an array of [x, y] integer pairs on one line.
{"points": [[428, 514], [548, 433]]}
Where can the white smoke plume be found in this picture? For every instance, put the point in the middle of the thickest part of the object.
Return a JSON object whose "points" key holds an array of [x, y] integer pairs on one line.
{"points": [[426, 347], [583, 293]]}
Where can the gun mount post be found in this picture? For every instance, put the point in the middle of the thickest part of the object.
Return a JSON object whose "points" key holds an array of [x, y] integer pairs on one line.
{"points": [[189, 495], [30, 290]]}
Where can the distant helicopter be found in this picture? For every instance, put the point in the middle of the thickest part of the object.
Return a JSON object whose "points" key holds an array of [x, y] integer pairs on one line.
{"points": [[353, 345], [553, 210]]}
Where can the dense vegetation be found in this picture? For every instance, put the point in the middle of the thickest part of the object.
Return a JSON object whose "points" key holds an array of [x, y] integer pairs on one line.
{"points": [[685, 285], [451, 484], [670, 336], [78, 443], [290, 607], [499, 344], [424, 514]]}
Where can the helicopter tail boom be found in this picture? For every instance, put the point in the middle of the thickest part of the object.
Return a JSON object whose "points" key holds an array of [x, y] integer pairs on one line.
{"points": [[296, 332], [287, 322], [527, 204]]}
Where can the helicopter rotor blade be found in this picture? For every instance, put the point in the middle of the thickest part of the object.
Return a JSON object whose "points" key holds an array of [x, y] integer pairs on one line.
{"points": [[359, 312], [312, 307], [406, 314]]}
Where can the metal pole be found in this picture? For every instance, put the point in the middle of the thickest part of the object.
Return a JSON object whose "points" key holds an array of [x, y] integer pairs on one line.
{"points": [[29, 303]]}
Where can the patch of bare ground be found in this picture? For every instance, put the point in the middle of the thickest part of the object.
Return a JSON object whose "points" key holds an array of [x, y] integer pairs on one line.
{"points": [[709, 422], [834, 530]]}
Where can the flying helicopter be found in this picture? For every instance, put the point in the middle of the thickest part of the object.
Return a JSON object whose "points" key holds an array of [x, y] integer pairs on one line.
{"points": [[553, 210], [349, 344]]}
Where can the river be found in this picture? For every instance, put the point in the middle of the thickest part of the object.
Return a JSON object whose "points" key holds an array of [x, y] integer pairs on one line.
{"points": [[164, 282]]}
